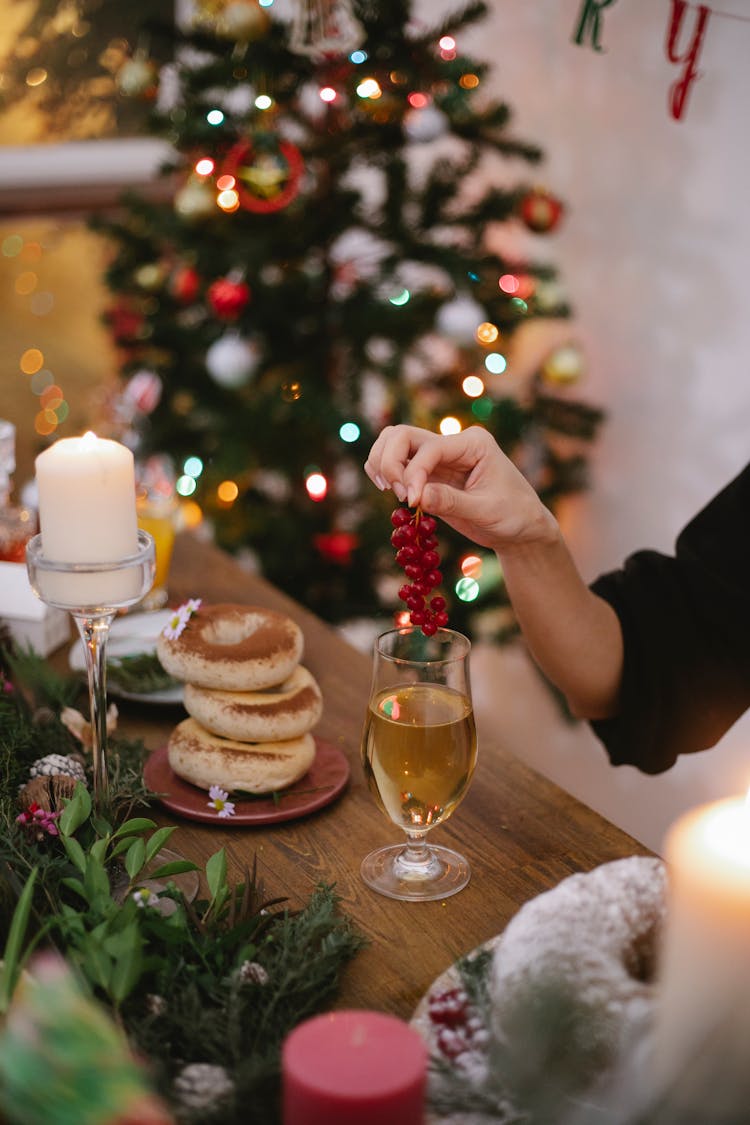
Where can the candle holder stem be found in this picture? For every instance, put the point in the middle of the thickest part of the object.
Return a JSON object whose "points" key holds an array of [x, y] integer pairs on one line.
{"points": [[92, 592], [94, 631]]}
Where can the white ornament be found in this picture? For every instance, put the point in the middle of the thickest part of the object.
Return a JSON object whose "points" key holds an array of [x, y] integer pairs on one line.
{"points": [[324, 27], [231, 361], [460, 318], [426, 124]]}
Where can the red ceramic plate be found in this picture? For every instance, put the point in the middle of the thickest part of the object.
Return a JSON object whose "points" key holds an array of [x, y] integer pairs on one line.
{"points": [[323, 782]]}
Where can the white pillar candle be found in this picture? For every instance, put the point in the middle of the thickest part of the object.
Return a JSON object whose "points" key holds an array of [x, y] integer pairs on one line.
{"points": [[87, 514], [702, 1024]]}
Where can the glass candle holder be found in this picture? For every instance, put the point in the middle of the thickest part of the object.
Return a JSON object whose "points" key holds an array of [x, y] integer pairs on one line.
{"points": [[93, 593]]}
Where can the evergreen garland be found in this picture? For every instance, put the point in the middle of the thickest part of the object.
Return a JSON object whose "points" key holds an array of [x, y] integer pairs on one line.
{"points": [[204, 987]]}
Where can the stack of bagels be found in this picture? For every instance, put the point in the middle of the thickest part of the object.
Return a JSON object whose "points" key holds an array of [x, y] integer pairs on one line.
{"points": [[251, 704]]}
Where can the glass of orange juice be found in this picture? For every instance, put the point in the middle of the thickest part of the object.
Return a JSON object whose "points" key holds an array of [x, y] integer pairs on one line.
{"points": [[156, 505]]}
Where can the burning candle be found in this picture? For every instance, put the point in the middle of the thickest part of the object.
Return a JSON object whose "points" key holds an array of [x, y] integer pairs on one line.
{"points": [[702, 1023], [354, 1068], [87, 514]]}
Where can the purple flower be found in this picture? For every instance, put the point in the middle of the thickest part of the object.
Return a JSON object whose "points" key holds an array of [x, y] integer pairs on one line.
{"points": [[219, 801]]}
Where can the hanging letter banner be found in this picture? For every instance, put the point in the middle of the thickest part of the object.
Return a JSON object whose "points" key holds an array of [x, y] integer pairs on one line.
{"points": [[680, 89], [589, 23]]}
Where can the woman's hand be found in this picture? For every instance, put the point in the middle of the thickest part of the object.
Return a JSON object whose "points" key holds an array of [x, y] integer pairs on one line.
{"points": [[466, 480]]}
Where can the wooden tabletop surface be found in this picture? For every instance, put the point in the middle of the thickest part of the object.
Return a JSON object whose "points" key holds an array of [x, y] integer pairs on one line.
{"points": [[521, 833]]}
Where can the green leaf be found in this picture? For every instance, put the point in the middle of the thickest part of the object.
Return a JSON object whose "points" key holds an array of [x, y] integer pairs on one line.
{"points": [[216, 872], [75, 852], [174, 867], [157, 841], [127, 968], [135, 857], [11, 967], [77, 810], [98, 850], [96, 883], [135, 824], [122, 846]]}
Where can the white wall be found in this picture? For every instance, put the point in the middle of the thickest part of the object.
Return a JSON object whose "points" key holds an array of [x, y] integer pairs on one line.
{"points": [[654, 252]]}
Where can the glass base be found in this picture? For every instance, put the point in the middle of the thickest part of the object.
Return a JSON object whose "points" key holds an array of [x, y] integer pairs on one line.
{"points": [[399, 871]]}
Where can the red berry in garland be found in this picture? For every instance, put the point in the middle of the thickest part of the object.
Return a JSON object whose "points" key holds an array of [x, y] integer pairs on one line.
{"points": [[413, 536]]}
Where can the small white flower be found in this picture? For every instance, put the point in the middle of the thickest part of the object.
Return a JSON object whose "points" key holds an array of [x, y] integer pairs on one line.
{"points": [[179, 619], [219, 801], [144, 897], [176, 624]]}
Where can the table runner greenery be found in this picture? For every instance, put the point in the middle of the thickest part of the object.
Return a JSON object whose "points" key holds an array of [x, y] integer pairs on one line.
{"points": [[205, 990]]}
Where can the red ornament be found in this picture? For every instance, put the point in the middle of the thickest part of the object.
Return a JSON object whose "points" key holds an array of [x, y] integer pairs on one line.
{"points": [[540, 211], [337, 546], [228, 298], [125, 321], [267, 173], [184, 284]]}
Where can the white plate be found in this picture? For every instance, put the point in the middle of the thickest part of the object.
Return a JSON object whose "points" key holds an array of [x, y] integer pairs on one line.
{"points": [[129, 635]]}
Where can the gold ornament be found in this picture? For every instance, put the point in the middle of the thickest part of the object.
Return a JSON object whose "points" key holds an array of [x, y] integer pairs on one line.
{"points": [[243, 21], [138, 78], [564, 365], [194, 201], [151, 276]]}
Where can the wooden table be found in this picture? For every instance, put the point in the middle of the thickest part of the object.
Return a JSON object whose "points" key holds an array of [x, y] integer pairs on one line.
{"points": [[521, 833]]}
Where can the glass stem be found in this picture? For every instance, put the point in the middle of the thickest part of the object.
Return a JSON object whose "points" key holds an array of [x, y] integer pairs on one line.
{"points": [[416, 854], [94, 632]]}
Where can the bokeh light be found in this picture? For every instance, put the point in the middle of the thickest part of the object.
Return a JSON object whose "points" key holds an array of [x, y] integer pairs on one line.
{"points": [[31, 361], [263, 101], [509, 283], [487, 333], [358, 57], [225, 183], [450, 425], [471, 566], [417, 100], [467, 589], [214, 117], [228, 200], [317, 486], [495, 363], [227, 492], [328, 94], [369, 88], [205, 166], [473, 386], [185, 485], [193, 466], [349, 431], [401, 298]]}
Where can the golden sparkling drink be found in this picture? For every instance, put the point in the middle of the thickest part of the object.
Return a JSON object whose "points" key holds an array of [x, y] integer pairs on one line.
{"points": [[419, 749]]}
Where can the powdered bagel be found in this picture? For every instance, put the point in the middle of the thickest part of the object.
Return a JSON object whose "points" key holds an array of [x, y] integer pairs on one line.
{"points": [[287, 711], [204, 760], [233, 648]]}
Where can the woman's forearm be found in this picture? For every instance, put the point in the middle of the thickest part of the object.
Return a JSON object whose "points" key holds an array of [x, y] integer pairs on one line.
{"points": [[573, 635]]}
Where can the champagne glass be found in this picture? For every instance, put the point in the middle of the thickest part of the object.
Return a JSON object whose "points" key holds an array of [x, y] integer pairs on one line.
{"points": [[419, 749]]}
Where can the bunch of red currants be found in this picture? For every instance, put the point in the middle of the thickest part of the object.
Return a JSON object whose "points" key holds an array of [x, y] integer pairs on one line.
{"points": [[414, 538]]}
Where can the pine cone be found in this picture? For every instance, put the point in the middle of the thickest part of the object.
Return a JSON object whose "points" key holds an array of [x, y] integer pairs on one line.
{"points": [[58, 764], [202, 1088]]}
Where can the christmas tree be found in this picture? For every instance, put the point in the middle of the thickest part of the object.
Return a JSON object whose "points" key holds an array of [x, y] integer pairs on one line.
{"points": [[326, 262]]}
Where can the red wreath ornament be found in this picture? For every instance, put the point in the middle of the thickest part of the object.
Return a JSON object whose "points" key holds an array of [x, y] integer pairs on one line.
{"points": [[267, 177]]}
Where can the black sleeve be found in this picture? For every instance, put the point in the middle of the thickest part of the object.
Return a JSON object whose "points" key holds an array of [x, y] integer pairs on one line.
{"points": [[686, 628]]}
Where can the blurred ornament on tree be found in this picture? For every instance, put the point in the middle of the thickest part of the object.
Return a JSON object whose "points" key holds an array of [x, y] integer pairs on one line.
{"points": [[540, 210], [184, 284], [267, 172], [336, 546], [143, 390], [138, 78], [564, 366], [125, 321], [324, 29], [460, 318], [150, 276], [228, 296], [243, 21], [426, 124], [195, 200], [231, 361]]}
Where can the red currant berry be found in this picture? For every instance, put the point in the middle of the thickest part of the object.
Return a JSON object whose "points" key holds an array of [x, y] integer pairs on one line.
{"points": [[427, 525], [421, 587], [433, 577], [437, 603], [411, 570], [415, 601], [405, 592], [406, 555], [429, 628], [417, 617], [430, 560], [400, 516], [441, 619], [400, 537]]}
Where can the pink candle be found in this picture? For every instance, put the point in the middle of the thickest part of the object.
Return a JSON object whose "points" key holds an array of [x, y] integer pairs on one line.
{"points": [[354, 1068]]}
